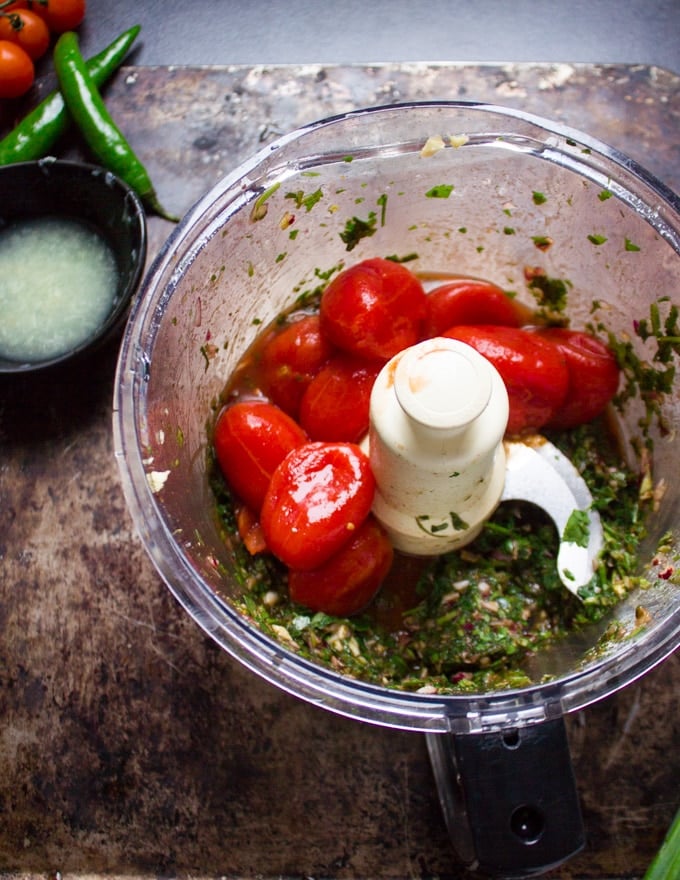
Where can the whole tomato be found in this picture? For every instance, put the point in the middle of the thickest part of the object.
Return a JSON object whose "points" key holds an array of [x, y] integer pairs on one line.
{"points": [[290, 361], [593, 376], [471, 301], [251, 438], [336, 404], [374, 309], [533, 369], [347, 582], [27, 30], [16, 70], [59, 15], [317, 498]]}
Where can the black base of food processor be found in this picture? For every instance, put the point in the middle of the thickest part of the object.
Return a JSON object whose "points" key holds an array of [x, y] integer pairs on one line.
{"points": [[509, 798]]}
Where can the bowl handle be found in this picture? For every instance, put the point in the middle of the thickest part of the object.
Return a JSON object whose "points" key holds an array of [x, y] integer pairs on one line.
{"points": [[509, 798]]}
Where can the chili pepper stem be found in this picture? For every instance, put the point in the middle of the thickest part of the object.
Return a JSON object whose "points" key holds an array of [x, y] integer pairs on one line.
{"points": [[97, 126], [151, 200]]}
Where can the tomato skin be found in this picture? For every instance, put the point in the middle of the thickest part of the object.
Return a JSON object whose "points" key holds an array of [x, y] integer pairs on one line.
{"points": [[60, 15], [374, 309], [16, 70], [336, 404], [317, 498], [251, 438], [33, 37], [346, 583], [533, 369], [291, 360], [471, 301], [593, 376]]}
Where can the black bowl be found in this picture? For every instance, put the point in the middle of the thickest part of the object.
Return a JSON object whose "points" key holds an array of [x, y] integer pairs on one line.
{"points": [[95, 197]]}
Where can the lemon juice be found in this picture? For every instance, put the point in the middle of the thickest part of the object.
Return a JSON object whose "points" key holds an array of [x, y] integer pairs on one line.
{"points": [[58, 282]]}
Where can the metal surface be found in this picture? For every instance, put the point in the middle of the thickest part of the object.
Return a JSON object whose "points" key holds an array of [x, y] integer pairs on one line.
{"points": [[129, 743]]}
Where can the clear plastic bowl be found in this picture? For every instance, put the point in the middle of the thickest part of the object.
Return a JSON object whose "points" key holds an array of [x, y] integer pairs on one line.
{"points": [[471, 188], [232, 265]]}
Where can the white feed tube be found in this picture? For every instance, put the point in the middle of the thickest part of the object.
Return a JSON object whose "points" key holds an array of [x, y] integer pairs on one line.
{"points": [[438, 414]]}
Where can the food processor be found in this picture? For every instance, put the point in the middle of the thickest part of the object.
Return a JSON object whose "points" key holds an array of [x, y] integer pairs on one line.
{"points": [[453, 187]]}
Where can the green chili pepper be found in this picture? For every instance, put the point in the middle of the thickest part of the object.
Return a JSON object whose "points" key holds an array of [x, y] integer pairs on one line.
{"points": [[39, 130], [100, 132], [666, 863]]}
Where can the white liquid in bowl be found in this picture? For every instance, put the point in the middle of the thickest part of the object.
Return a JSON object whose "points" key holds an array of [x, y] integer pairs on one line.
{"points": [[58, 281]]}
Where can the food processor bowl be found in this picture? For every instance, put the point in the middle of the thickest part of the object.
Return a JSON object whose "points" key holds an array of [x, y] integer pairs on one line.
{"points": [[452, 187]]}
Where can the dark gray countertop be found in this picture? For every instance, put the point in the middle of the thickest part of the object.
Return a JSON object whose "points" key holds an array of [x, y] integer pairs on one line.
{"points": [[354, 31]]}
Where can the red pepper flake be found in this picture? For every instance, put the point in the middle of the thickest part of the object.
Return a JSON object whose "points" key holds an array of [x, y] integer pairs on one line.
{"points": [[666, 573]]}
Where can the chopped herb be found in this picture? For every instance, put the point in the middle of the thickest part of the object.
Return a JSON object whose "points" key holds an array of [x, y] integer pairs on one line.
{"points": [[542, 242], [549, 293], [604, 195], [407, 258], [629, 246], [539, 198], [508, 230], [356, 229], [648, 378], [441, 191], [577, 529], [382, 203], [305, 201], [597, 239]]}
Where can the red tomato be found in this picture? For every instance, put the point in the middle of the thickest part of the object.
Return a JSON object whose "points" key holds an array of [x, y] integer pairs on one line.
{"points": [[533, 369], [593, 376], [348, 581], [16, 70], [251, 439], [335, 405], [471, 301], [291, 360], [318, 497], [32, 34], [60, 15], [374, 309]]}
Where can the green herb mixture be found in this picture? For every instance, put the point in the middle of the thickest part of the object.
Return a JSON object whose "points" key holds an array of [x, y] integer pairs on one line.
{"points": [[470, 618]]}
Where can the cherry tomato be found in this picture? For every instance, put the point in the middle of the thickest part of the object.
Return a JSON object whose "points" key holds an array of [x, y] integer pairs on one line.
{"points": [[16, 70], [374, 309], [60, 15], [533, 369], [33, 35], [471, 301], [318, 497], [347, 582], [335, 406], [593, 376], [251, 438], [291, 360]]}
